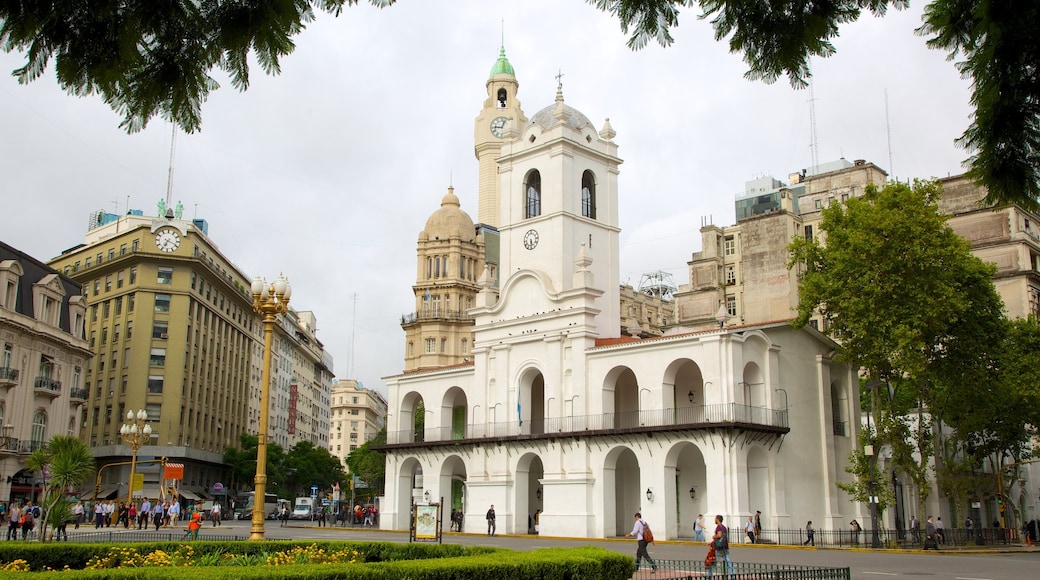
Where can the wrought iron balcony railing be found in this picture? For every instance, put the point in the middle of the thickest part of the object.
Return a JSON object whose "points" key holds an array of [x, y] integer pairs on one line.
{"points": [[48, 386], [698, 417]]}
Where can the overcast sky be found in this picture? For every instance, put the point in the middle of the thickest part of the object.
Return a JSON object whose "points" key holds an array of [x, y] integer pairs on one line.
{"points": [[328, 171]]}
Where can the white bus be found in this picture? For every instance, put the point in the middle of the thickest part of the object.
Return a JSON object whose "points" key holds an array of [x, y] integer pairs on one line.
{"points": [[244, 506]]}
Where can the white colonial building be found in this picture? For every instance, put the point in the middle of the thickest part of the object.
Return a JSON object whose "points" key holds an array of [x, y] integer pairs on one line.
{"points": [[556, 410]]}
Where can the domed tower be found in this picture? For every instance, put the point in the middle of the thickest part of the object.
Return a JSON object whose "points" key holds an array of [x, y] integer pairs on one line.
{"points": [[498, 122], [450, 260]]}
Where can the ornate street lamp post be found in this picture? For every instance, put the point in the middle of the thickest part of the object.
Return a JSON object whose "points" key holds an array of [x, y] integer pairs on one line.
{"points": [[268, 301], [136, 431]]}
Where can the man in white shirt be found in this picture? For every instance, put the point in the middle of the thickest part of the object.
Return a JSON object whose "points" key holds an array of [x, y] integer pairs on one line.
{"points": [[174, 513], [214, 514], [142, 516], [698, 528], [749, 527]]}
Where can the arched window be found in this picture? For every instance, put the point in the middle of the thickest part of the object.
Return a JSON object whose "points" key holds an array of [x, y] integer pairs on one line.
{"points": [[588, 195], [39, 430], [502, 98], [533, 198]]}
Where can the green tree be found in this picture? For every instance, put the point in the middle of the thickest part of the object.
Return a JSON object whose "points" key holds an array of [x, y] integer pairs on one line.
{"points": [[241, 461], [369, 462], [69, 463], [309, 465], [907, 315], [148, 59]]}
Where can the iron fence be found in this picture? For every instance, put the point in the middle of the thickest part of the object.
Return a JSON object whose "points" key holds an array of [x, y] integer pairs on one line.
{"points": [[889, 538], [689, 569]]}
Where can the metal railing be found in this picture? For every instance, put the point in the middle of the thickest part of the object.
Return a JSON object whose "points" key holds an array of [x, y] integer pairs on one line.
{"points": [[745, 571], [8, 374], [682, 418], [80, 394], [47, 384], [435, 314], [839, 428], [888, 538]]}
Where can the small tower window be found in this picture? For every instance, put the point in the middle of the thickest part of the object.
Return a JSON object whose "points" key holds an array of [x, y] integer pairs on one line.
{"points": [[588, 195], [533, 198], [502, 98]]}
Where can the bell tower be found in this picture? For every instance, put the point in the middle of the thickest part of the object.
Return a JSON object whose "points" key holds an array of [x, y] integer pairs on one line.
{"points": [[500, 118]]}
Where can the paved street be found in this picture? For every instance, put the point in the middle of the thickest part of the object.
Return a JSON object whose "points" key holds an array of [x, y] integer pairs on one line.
{"points": [[865, 564]]}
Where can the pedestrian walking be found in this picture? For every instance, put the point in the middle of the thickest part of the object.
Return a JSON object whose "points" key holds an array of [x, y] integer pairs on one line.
{"points": [[940, 530], [749, 528], [758, 525], [856, 529], [99, 514], [641, 532], [490, 517], [720, 541], [77, 513], [915, 529], [810, 534], [698, 529], [930, 541], [144, 514], [214, 514], [14, 520]]}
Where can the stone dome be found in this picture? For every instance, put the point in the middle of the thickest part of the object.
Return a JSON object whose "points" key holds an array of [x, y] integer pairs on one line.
{"points": [[450, 221], [547, 117]]}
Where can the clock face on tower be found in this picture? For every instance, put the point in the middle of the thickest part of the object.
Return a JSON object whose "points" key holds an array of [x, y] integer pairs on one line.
{"points": [[167, 240], [498, 126], [530, 239]]}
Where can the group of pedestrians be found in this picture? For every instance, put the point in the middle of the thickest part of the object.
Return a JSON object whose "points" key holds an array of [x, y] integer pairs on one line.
{"points": [[131, 514], [21, 517]]}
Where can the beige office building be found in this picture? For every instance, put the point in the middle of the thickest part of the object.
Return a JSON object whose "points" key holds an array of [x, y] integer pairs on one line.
{"points": [[358, 414], [42, 364], [741, 272], [171, 320]]}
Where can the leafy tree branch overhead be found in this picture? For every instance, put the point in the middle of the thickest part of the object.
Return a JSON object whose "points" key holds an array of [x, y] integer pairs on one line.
{"points": [[146, 58]]}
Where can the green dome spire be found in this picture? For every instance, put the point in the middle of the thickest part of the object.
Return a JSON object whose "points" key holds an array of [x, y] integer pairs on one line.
{"points": [[502, 66]]}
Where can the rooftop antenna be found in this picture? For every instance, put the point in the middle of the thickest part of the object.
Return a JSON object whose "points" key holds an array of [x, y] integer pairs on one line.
{"points": [[814, 146], [353, 327], [888, 132], [169, 178]]}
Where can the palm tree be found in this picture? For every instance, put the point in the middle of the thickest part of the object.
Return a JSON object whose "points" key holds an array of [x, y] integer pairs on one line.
{"points": [[69, 463]]}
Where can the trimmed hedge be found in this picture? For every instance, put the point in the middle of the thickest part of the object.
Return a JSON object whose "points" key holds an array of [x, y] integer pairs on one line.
{"points": [[383, 561]]}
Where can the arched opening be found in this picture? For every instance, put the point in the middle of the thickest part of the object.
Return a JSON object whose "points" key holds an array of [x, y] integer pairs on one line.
{"points": [[503, 98], [684, 386], [533, 194], [623, 491], [588, 195], [686, 472], [453, 487], [410, 489], [758, 483], [754, 393], [529, 492], [623, 398], [453, 414]]}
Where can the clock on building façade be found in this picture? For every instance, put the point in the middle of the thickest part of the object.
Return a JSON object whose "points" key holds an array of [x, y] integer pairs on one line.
{"points": [[498, 126], [167, 240], [530, 239]]}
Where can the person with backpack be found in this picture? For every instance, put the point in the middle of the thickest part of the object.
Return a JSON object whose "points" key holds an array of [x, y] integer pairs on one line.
{"points": [[28, 520], [720, 541], [641, 532]]}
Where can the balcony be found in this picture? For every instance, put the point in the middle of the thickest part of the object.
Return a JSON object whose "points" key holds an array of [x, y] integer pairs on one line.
{"points": [[435, 314], [47, 386], [8, 377], [79, 395], [11, 447], [727, 415]]}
